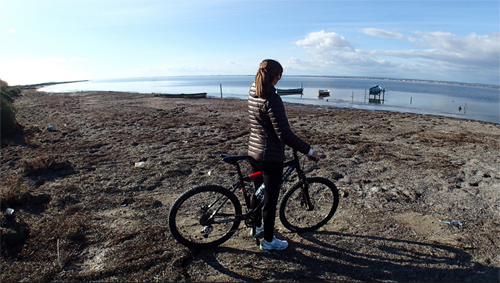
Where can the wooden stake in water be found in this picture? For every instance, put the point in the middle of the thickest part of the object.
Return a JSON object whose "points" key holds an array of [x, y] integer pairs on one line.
{"points": [[220, 90]]}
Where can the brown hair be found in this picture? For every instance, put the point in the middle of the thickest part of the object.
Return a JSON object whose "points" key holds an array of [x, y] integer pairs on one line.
{"points": [[268, 71]]}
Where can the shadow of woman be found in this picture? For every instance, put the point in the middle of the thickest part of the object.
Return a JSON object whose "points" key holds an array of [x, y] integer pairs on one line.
{"points": [[330, 256]]}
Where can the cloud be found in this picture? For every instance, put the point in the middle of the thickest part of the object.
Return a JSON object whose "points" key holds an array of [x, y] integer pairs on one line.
{"points": [[463, 50], [434, 55], [386, 34], [329, 49], [321, 42], [449, 49]]}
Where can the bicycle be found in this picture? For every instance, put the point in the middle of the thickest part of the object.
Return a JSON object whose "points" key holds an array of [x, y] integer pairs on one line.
{"points": [[207, 216]]}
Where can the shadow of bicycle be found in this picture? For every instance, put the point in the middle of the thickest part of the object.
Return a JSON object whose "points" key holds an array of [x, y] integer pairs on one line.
{"points": [[330, 256]]}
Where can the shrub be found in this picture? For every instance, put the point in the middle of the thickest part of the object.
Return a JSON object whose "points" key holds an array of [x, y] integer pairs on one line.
{"points": [[3, 83], [9, 125]]}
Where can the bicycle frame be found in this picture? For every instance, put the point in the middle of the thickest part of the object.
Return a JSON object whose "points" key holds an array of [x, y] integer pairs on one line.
{"points": [[291, 165], [305, 205]]}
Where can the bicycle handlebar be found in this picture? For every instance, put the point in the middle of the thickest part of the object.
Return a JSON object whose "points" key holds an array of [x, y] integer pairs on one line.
{"points": [[233, 159]]}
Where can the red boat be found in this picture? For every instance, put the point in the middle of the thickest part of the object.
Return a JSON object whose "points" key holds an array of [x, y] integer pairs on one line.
{"points": [[323, 93]]}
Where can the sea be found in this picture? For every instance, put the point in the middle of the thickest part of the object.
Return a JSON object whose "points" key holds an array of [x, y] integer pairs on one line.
{"points": [[457, 100]]}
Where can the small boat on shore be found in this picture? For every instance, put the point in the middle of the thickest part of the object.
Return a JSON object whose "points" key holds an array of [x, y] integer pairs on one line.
{"points": [[182, 95], [323, 93], [289, 91]]}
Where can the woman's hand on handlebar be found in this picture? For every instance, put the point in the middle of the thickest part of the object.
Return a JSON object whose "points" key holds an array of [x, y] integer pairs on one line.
{"points": [[314, 157]]}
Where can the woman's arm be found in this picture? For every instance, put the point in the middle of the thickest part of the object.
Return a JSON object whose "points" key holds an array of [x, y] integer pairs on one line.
{"points": [[279, 120]]}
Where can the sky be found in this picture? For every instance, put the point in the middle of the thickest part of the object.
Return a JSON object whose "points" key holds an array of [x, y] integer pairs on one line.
{"points": [[56, 40]]}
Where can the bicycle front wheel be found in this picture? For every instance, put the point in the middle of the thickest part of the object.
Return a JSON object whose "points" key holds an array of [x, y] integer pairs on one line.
{"points": [[308, 209], [204, 217]]}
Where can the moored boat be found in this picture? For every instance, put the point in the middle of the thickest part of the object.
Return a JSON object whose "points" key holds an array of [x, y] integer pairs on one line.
{"points": [[182, 95], [375, 94], [323, 93], [376, 89], [289, 91]]}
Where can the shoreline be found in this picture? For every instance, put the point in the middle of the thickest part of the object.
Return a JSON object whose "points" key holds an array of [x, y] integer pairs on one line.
{"points": [[426, 98], [401, 177], [307, 76], [312, 106]]}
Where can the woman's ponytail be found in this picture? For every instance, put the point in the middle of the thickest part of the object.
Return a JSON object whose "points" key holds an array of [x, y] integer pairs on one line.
{"points": [[268, 71]]}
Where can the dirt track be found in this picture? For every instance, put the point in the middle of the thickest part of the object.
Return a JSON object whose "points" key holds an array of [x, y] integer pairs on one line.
{"points": [[91, 199]]}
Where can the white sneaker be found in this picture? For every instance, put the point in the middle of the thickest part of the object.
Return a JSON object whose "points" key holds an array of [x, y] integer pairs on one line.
{"points": [[258, 230], [275, 244]]}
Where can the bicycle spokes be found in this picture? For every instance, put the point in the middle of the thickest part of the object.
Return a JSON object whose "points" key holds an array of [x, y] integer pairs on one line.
{"points": [[306, 208], [205, 216]]}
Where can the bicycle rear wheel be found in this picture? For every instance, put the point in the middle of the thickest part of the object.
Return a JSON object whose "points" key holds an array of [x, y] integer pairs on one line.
{"points": [[299, 215], [204, 217]]}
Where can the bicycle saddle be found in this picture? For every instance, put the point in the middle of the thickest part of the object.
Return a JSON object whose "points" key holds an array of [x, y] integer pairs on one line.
{"points": [[233, 159]]}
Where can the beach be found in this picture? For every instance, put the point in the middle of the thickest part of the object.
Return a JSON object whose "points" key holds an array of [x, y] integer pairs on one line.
{"points": [[91, 193]]}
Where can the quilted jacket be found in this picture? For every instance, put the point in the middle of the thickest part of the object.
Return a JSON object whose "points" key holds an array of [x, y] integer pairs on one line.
{"points": [[269, 129]]}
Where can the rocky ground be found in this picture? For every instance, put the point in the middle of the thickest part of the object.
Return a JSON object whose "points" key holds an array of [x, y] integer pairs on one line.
{"points": [[91, 196]]}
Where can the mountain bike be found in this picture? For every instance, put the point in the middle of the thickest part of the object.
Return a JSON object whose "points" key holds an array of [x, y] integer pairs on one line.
{"points": [[207, 216]]}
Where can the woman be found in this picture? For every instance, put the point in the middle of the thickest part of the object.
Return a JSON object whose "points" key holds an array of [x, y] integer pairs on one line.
{"points": [[269, 133]]}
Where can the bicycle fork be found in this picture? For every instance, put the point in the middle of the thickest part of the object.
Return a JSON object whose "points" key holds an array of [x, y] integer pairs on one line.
{"points": [[305, 199]]}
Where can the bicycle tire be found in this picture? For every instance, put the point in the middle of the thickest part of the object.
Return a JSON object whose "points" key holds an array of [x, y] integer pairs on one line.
{"points": [[295, 215], [192, 210]]}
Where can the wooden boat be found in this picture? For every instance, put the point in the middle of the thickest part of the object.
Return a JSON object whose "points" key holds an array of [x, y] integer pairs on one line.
{"points": [[289, 91], [323, 93], [182, 95]]}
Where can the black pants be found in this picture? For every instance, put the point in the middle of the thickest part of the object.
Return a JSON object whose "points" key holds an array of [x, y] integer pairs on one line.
{"points": [[271, 176]]}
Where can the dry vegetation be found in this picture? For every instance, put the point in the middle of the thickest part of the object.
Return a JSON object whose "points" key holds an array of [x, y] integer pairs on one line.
{"points": [[91, 198]]}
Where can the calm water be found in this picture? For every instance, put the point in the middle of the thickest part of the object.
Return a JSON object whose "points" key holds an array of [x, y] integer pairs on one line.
{"points": [[479, 103]]}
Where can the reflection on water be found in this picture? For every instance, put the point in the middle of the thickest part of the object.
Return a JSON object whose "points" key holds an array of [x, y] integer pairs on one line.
{"points": [[475, 103]]}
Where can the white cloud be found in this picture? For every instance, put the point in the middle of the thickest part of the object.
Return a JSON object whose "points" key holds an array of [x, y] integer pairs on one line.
{"points": [[386, 34], [436, 55], [471, 50], [449, 49], [325, 42]]}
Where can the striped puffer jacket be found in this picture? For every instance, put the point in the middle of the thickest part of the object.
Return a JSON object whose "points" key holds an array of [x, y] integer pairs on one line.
{"points": [[269, 129]]}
